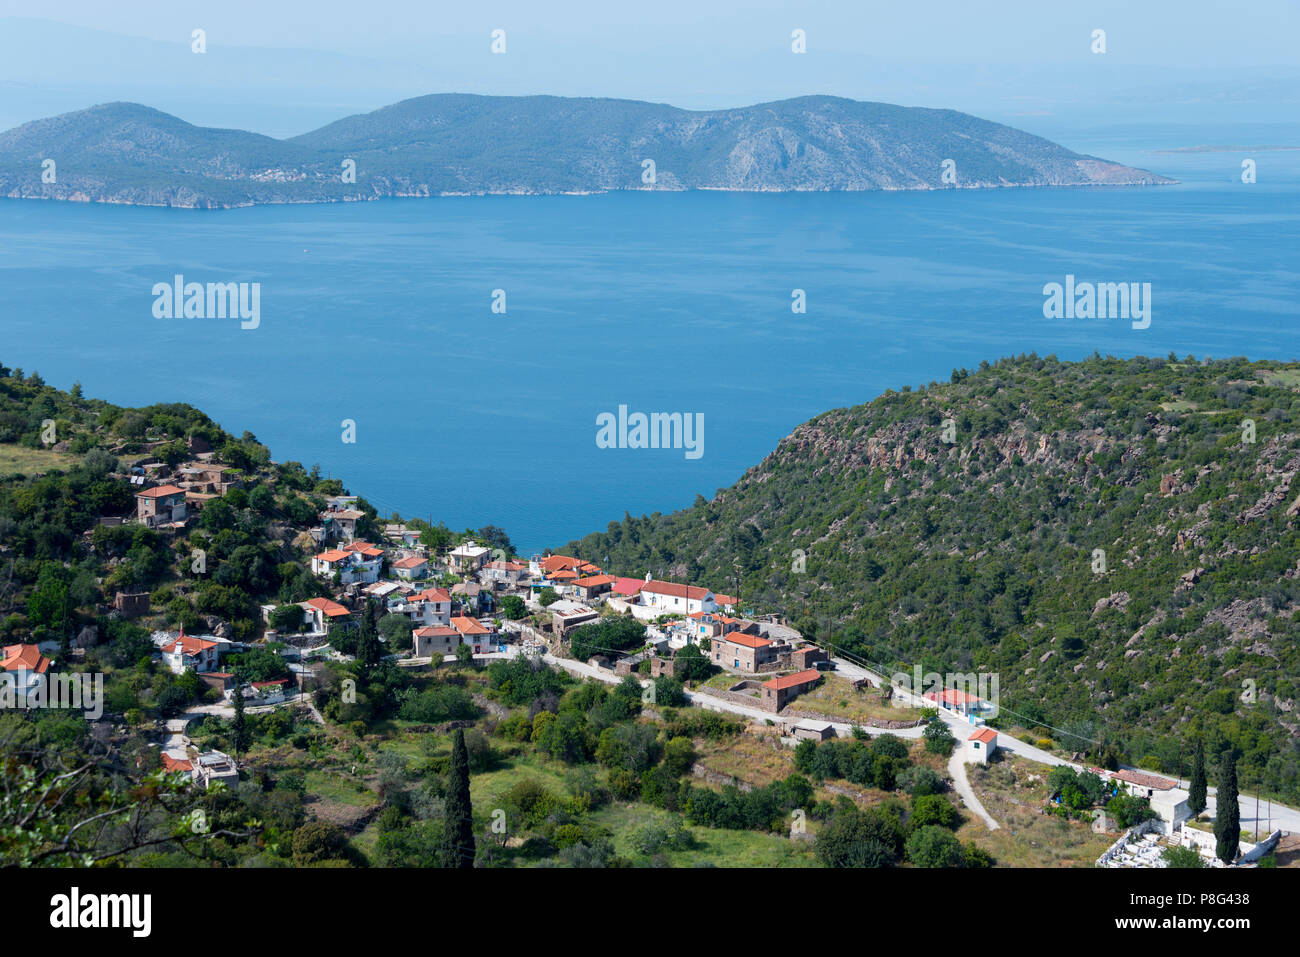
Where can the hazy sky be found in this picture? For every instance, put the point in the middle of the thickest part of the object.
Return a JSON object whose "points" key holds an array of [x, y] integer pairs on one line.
{"points": [[284, 67]]}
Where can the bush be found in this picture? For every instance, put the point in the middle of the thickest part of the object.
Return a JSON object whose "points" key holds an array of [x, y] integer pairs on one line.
{"points": [[857, 838], [319, 843], [935, 846], [624, 785], [1182, 857], [443, 702], [938, 738], [921, 780], [933, 809]]}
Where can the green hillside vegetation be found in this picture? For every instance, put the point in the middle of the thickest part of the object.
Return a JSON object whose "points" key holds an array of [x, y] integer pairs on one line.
{"points": [[974, 556], [978, 556]]}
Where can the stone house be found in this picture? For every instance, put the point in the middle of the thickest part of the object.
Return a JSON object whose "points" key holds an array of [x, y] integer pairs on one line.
{"points": [[779, 692]]}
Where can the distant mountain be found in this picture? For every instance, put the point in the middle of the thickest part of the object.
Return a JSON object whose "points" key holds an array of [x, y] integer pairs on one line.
{"points": [[461, 144]]}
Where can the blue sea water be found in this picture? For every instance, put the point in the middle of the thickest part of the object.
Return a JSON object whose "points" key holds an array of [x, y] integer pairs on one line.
{"points": [[381, 313]]}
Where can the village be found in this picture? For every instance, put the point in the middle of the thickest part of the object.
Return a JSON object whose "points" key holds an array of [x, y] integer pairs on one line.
{"points": [[472, 602]]}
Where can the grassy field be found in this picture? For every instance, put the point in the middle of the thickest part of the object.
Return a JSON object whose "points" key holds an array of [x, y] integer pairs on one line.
{"points": [[721, 848], [20, 460], [836, 698], [1014, 791], [340, 787], [487, 788], [753, 758], [1288, 378]]}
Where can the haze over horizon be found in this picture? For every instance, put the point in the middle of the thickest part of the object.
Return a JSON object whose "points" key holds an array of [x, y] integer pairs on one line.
{"points": [[271, 71]]}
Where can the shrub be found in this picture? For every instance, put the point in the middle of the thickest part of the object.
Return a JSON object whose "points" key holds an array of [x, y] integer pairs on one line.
{"points": [[934, 846]]}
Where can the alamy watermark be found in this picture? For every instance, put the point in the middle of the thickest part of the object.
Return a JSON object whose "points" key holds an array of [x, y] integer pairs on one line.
{"points": [[55, 691], [971, 693], [653, 430], [179, 299], [1102, 300]]}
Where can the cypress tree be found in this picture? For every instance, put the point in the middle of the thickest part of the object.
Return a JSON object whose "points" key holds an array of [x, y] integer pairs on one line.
{"points": [[368, 648], [1196, 786], [458, 826], [239, 728], [1227, 819]]}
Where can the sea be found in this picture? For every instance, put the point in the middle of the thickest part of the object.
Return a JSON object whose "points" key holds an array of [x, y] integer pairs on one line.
{"points": [[468, 346]]}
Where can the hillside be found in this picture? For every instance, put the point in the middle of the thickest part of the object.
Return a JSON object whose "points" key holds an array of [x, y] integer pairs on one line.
{"points": [[454, 143], [979, 555]]}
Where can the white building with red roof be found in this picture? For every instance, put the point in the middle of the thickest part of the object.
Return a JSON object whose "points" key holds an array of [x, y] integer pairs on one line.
{"points": [[188, 653], [412, 567], [356, 562], [435, 640], [322, 614], [981, 745], [25, 667], [432, 606], [474, 632], [670, 598], [628, 587]]}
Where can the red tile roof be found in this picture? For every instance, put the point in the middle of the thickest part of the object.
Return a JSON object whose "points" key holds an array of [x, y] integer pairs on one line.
{"points": [[984, 735], [412, 561], [333, 555], [747, 641], [170, 763], [791, 681], [468, 626], [952, 696], [690, 592], [331, 608], [429, 594], [435, 631], [1143, 780], [160, 491], [725, 599], [595, 580], [628, 586], [189, 645], [25, 658]]}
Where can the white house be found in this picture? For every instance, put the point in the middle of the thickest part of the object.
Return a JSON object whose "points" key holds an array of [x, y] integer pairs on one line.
{"points": [[474, 632], [669, 598], [425, 608], [187, 653], [411, 567], [401, 535], [320, 614], [468, 557], [358, 562], [26, 666], [981, 745], [435, 639]]}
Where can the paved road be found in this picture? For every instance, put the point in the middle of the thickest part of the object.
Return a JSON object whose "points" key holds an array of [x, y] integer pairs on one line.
{"points": [[960, 784], [1286, 818], [1281, 816]]}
